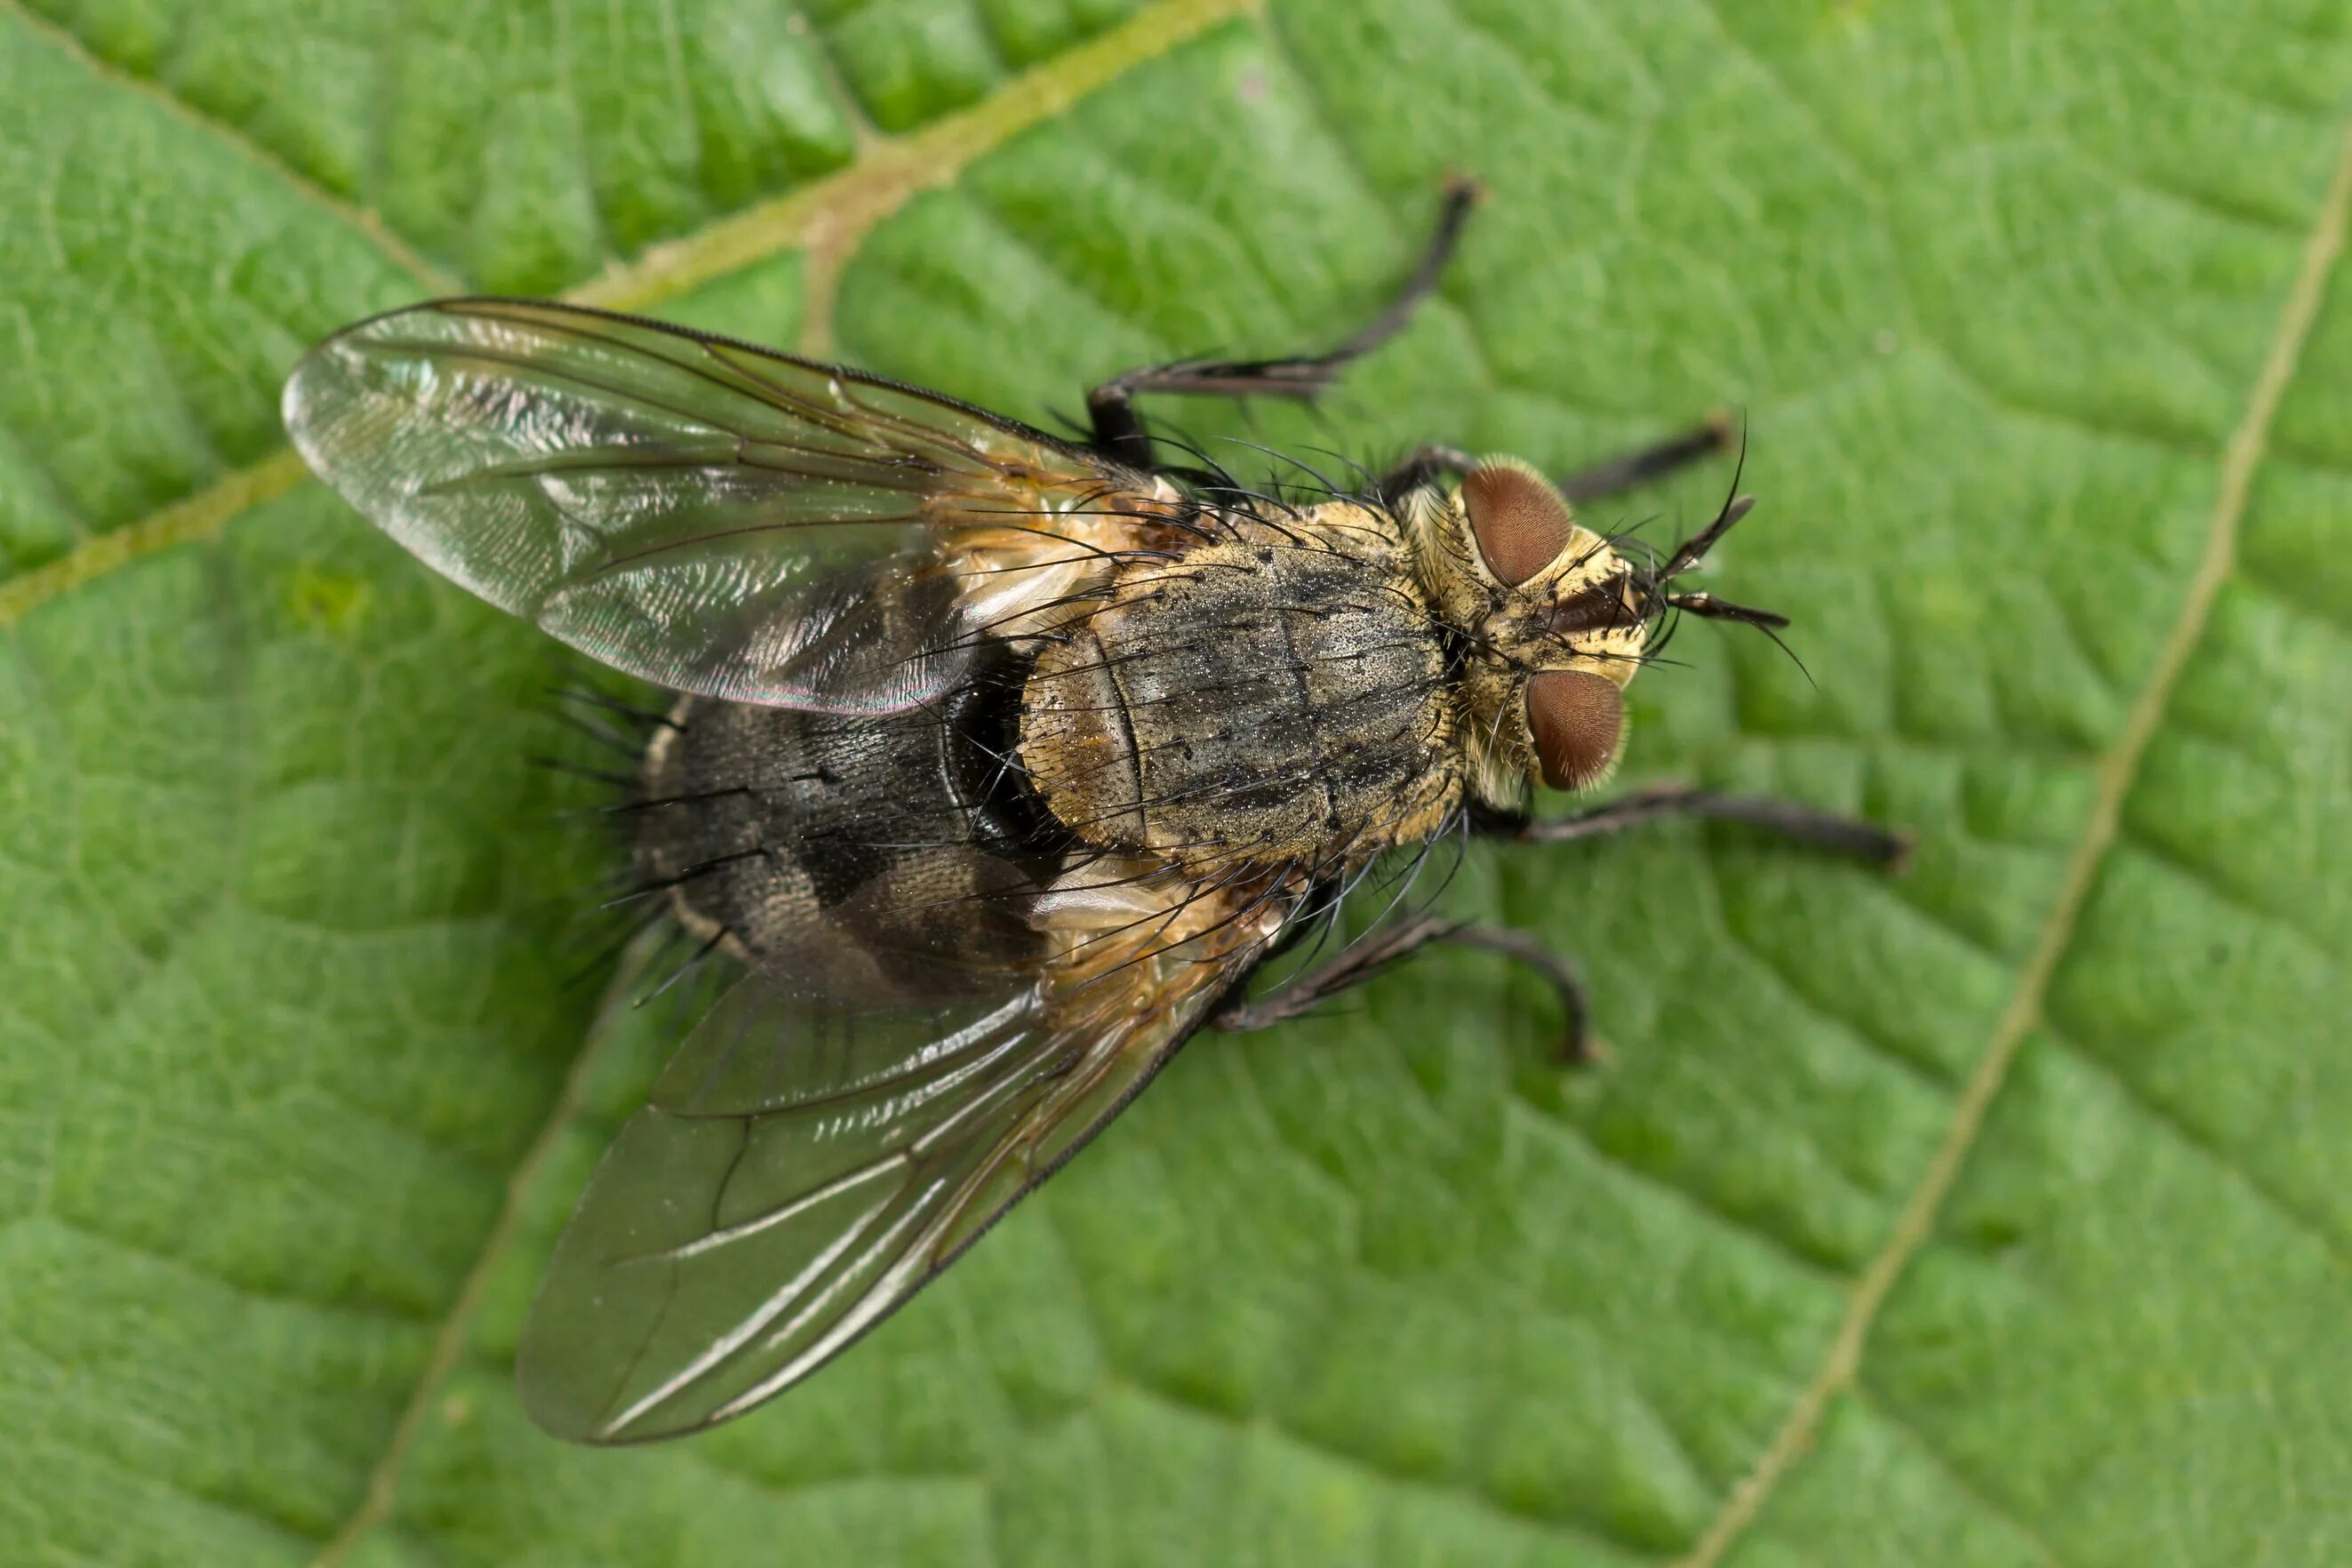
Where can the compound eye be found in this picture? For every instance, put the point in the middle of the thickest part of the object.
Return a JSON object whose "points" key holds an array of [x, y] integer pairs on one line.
{"points": [[1519, 520], [1577, 718]]}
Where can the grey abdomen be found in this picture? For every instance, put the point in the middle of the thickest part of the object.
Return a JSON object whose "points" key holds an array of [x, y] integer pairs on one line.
{"points": [[846, 853]]}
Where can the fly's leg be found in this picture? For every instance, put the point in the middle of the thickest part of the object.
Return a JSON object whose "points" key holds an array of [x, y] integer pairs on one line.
{"points": [[1374, 952], [1119, 432], [1392, 944], [1424, 467], [1705, 439], [1798, 823], [1710, 435]]}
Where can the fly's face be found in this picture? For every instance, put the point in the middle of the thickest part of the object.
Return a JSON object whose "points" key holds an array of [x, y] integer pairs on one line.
{"points": [[1554, 621]]}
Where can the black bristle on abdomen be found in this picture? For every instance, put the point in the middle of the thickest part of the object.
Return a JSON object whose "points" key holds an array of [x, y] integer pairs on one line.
{"points": [[618, 907]]}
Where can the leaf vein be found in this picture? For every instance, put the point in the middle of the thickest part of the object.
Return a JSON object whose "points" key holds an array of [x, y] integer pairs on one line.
{"points": [[2312, 1225], [1555, 1125], [2287, 923], [450, 1343], [1384, 1473], [2243, 455], [1967, 1485], [428, 276], [829, 217]]}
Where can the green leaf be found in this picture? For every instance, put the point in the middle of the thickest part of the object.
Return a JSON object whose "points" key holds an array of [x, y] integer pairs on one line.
{"points": [[1996, 1214]]}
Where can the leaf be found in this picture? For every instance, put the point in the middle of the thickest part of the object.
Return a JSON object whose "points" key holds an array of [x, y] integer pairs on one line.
{"points": [[1994, 1215]]}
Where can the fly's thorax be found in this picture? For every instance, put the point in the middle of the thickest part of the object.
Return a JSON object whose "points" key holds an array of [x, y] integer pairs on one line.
{"points": [[1276, 694], [1551, 620]]}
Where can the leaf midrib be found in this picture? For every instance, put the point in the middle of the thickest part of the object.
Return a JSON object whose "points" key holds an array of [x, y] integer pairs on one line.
{"points": [[2117, 770], [827, 219]]}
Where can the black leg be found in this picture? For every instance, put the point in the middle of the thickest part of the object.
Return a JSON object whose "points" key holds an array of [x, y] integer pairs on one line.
{"points": [[1576, 1044], [1119, 432], [1798, 823], [1424, 467], [1384, 947], [1619, 473], [1705, 439], [1390, 944]]}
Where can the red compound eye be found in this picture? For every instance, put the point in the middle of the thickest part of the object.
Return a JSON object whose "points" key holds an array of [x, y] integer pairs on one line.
{"points": [[1519, 521], [1577, 718]]}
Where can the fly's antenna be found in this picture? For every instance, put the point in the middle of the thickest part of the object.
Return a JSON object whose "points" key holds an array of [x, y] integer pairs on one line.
{"points": [[1707, 607], [1691, 551]]}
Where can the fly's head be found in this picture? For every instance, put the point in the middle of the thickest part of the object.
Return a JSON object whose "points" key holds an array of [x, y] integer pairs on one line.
{"points": [[1554, 620]]}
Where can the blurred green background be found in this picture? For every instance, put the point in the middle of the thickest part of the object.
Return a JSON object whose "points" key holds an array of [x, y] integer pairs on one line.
{"points": [[1998, 1215]]}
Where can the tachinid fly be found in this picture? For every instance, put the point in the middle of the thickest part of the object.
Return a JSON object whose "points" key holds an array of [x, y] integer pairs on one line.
{"points": [[998, 763]]}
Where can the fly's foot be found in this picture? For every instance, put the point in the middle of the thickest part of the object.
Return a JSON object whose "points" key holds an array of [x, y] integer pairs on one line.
{"points": [[1577, 1045]]}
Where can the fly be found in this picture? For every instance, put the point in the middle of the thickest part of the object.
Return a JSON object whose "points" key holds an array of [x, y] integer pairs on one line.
{"points": [[997, 763]]}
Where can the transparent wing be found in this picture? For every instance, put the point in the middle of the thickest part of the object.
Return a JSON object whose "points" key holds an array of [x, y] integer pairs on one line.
{"points": [[680, 507], [807, 1165]]}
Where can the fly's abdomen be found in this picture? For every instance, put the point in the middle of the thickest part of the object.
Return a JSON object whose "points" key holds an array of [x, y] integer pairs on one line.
{"points": [[844, 850], [1263, 699]]}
